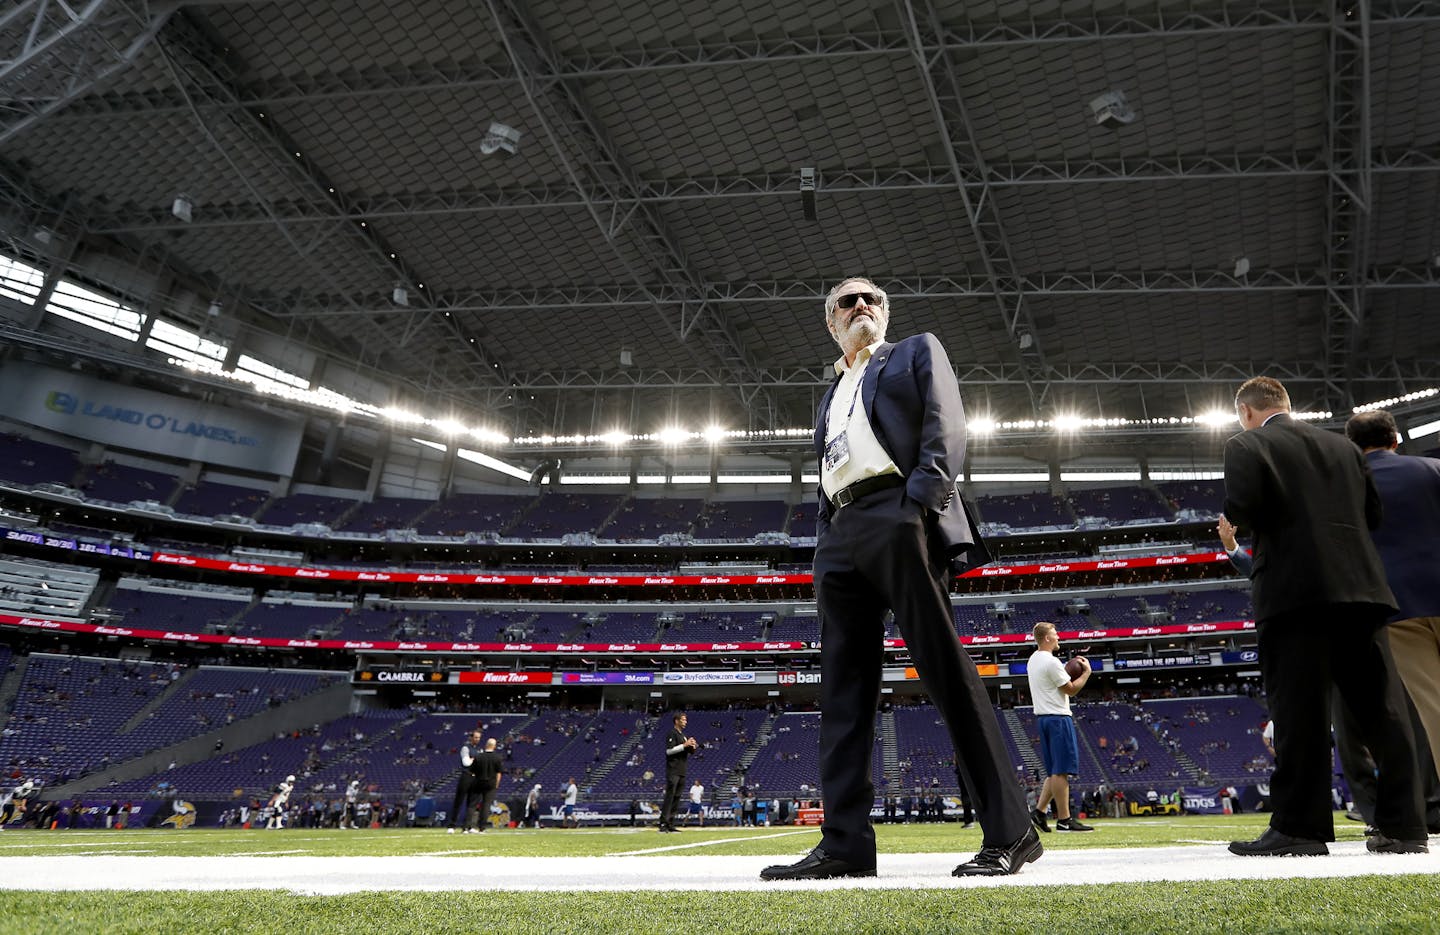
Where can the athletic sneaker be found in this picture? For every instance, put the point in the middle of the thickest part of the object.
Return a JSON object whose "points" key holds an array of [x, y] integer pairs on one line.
{"points": [[1037, 818], [1070, 824]]}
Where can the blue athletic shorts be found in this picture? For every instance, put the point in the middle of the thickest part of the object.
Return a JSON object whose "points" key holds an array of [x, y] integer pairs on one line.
{"points": [[1059, 750]]}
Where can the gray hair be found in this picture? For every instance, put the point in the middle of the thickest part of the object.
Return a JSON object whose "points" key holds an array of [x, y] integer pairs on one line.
{"points": [[834, 294]]}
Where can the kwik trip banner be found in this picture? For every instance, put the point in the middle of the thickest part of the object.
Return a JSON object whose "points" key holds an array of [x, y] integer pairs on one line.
{"points": [[142, 420]]}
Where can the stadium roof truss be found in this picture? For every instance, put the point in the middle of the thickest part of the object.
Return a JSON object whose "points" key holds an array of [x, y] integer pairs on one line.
{"points": [[644, 255]]}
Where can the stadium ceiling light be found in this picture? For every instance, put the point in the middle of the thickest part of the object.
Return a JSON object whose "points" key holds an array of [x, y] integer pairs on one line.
{"points": [[449, 427], [1397, 400], [714, 434], [1215, 418], [674, 435], [982, 425], [1068, 423]]}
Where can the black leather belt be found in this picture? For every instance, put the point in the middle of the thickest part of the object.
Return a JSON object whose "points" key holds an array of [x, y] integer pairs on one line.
{"points": [[863, 488]]}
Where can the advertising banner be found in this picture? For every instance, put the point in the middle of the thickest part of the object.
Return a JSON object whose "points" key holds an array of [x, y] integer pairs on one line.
{"points": [[399, 676], [607, 678], [1205, 800], [504, 678], [1163, 662], [45, 623], [143, 420], [706, 678]]}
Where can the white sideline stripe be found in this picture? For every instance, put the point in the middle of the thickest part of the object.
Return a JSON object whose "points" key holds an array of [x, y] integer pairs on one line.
{"points": [[710, 843], [266, 853], [336, 875], [90, 844]]}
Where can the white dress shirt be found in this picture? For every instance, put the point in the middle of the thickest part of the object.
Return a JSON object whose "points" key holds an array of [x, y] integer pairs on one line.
{"points": [[847, 414]]}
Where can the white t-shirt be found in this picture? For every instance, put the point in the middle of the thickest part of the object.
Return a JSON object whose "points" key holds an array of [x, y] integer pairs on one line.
{"points": [[1269, 732], [571, 794], [1047, 674], [697, 793]]}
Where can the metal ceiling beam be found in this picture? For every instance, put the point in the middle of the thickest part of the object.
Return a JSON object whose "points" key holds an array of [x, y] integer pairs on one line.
{"points": [[640, 240], [1229, 19], [53, 53], [759, 185], [1228, 373], [1350, 193], [205, 71], [952, 122], [1080, 283]]}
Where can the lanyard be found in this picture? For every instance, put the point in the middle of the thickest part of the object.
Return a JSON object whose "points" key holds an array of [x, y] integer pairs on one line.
{"points": [[830, 432]]}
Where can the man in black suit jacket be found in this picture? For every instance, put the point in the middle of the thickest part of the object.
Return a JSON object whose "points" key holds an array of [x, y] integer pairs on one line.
{"points": [[1320, 604], [1409, 545], [892, 530]]}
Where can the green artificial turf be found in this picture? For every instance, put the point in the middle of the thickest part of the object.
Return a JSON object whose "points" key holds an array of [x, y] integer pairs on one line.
{"points": [[1360, 904], [599, 842]]}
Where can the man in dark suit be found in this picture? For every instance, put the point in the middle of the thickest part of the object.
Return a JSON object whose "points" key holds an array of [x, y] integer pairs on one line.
{"points": [[677, 754], [892, 531], [459, 811], [485, 770], [1320, 604], [1409, 545]]}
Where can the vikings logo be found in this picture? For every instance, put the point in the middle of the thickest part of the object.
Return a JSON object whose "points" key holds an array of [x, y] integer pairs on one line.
{"points": [[184, 815]]}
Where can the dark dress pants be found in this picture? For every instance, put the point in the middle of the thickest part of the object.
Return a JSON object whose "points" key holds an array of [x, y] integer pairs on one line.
{"points": [[1301, 654], [462, 800], [882, 552], [478, 806], [674, 783]]}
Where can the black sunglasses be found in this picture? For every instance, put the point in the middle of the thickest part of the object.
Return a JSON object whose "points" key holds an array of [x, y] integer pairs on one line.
{"points": [[848, 300]]}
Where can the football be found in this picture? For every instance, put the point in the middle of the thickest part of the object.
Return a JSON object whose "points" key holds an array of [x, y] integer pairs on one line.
{"points": [[1074, 668]]}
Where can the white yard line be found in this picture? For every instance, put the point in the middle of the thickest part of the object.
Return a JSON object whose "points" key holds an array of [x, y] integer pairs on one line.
{"points": [[685, 847], [333, 875], [268, 853], [46, 845]]}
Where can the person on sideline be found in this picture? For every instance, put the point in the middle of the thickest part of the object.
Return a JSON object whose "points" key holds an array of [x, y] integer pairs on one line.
{"points": [[1409, 544], [1051, 689], [892, 531], [1321, 602], [468, 749]]}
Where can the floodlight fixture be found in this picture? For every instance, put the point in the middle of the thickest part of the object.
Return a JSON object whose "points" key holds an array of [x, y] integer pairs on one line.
{"points": [[183, 208], [714, 434], [982, 425], [500, 138], [400, 295], [1216, 418], [1068, 423], [627, 359], [673, 435], [1112, 110]]}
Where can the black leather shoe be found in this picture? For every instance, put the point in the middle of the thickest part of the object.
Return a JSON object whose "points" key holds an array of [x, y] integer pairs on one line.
{"points": [[1275, 844], [1383, 844], [1001, 861], [816, 865]]}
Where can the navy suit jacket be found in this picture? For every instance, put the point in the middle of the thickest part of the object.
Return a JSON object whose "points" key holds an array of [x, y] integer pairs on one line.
{"points": [[1409, 536], [1308, 499], [912, 401]]}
